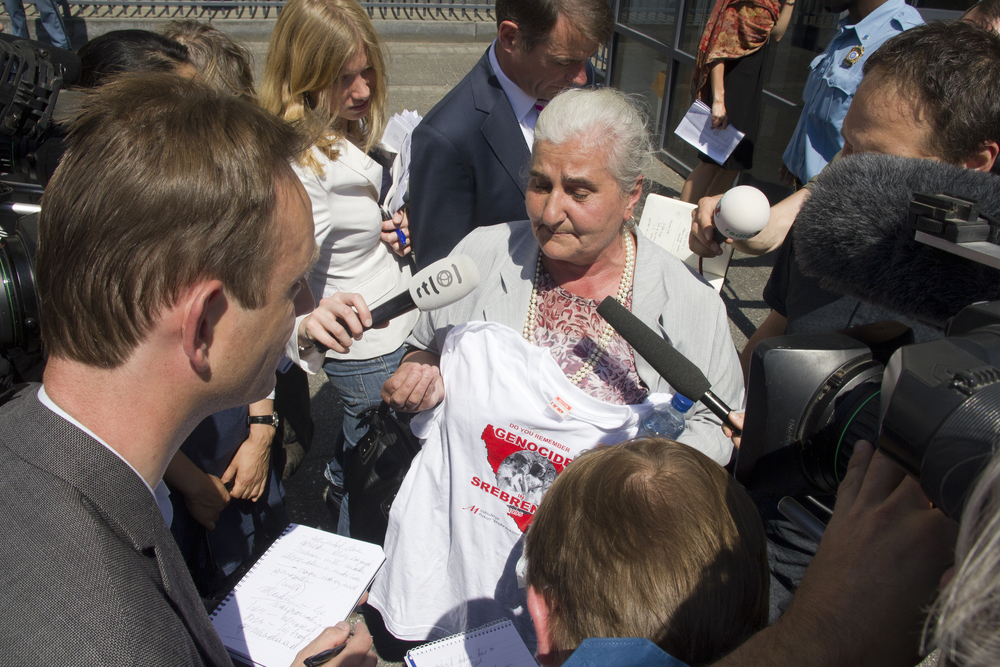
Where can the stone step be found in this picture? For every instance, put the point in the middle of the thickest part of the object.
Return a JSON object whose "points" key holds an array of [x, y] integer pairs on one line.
{"points": [[253, 30]]}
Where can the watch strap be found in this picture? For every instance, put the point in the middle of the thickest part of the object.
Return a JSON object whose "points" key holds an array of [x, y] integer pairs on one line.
{"points": [[271, 419]]}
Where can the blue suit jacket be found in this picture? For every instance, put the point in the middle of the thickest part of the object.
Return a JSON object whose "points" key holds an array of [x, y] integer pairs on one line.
{"points": [[469, 165]]}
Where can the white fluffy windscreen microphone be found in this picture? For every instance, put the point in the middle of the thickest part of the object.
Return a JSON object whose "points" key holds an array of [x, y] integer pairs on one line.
{"points": [[742, 212]]}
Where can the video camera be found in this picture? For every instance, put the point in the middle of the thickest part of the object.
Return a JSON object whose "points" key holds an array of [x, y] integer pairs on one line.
{"points": [[20, 335], [31, 144], [932, 407]]}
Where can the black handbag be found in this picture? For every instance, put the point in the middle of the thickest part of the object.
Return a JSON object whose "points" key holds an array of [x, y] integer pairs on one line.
{"points": [[375, 470]]}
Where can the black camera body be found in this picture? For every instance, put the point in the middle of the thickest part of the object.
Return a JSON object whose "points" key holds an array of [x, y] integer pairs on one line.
{"points": [[21, 354], [31, 145], [933, 407]]}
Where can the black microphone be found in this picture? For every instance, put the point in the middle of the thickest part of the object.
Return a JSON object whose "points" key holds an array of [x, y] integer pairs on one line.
{"points": [[852, 235], [671, 365], [438, 284]]}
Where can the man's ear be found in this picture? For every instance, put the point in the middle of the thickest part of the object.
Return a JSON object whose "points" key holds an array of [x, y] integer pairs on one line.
{"points": [[541, 616], [203, 305], [508, 36], [984, 158]]}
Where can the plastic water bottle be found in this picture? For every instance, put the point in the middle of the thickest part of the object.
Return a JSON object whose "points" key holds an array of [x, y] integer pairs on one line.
{"points": [[666, 421]]}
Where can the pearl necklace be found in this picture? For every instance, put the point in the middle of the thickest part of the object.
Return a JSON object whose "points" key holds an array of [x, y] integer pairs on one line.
{"points": [[602, 343]]}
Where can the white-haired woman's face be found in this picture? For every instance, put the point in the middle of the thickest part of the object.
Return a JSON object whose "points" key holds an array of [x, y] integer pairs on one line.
{"points": [[575, 206]]}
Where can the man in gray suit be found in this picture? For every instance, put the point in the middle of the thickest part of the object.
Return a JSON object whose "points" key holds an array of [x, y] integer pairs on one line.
{"points": [[173, 240], [470, 153]]}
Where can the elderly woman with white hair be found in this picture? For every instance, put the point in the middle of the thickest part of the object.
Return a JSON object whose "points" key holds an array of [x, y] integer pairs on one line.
{"points": [[523, 374]]}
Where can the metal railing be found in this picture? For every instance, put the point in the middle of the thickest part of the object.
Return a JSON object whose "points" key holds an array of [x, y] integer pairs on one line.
{"points": [[421, 10]]}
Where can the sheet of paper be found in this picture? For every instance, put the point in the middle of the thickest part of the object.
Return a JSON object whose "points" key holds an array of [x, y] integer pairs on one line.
{"points": [[696, 129], [401, 181], [398, 128], [495, 644], [307, 580], [667, 222], [396, 138]]}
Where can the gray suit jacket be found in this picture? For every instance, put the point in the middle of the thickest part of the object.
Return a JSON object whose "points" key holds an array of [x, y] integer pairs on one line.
{"points": [[89, 570], [469, 165]]}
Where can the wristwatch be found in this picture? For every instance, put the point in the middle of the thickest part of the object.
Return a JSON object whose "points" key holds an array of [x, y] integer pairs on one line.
{"points": [[271, 419]]}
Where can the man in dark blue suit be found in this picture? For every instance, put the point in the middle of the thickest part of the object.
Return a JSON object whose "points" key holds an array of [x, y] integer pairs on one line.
{"points": [[470, 154]]}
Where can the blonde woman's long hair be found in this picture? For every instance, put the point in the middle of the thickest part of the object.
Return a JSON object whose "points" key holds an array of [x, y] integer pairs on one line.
{"points": [[312, 43]]}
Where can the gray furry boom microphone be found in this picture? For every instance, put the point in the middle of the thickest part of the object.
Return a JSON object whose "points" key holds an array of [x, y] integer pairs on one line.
{"points": [[852, 235], [686, 378]]}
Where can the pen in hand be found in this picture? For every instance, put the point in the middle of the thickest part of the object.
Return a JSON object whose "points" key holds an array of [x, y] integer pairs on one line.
{"points": [[327, 655]]}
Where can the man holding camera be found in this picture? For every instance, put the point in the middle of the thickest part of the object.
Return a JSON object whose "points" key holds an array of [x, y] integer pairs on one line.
{"points": [[927, 93], [173, 241]]}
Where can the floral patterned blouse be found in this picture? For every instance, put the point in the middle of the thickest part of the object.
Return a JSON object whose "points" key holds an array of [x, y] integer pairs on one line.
{"points": [[569, 326]]}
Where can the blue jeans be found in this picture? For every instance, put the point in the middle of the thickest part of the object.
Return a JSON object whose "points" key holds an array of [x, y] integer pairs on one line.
{"points": [[360, 386], [51, 21]]}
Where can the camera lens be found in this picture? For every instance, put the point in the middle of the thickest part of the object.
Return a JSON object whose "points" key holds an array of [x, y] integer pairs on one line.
{"points": [[844, 410], [825, 454], [10, 312], [18, 301]]}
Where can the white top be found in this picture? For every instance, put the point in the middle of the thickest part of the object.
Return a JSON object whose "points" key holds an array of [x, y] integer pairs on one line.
{"points": [[161, 494], [490, 451], [522, 103], [352, 257]]}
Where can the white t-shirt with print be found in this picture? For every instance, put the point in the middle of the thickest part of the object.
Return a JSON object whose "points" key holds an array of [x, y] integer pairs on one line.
{"points": [[509, 423]]}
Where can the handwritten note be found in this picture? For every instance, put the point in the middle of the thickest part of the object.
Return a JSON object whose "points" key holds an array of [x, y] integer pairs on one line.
{"points": [[495, 644], [667, 222], [307, 580]]}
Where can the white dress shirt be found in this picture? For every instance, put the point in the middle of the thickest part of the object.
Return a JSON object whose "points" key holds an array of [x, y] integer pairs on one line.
{"points": [[522, 103]]}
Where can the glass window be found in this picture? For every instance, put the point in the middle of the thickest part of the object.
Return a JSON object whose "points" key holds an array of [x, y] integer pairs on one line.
{"points": [[665, 71], [811, 29], [655, 18], [696, 14], [785, 75], [953, 5], [776, 127], [680, 102], [643, 72]]}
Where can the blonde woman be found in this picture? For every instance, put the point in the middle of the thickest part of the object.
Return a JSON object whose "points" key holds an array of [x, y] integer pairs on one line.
{"points": [[326, 71]]}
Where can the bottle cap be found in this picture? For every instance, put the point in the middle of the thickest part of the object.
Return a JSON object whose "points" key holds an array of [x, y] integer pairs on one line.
{"points": [[681, 403]]}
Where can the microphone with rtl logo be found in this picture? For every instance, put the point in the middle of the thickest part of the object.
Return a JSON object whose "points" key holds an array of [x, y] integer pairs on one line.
{"points": [[439, 284]]}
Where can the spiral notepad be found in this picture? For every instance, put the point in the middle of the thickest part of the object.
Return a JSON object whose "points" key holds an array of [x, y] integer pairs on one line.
{"points": [[495, 644], [307, 580]]}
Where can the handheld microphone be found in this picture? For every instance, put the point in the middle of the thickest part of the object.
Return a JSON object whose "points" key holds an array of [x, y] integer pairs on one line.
{"points": [[671, 365], [852, 235], [438, 284], [740, 214]]}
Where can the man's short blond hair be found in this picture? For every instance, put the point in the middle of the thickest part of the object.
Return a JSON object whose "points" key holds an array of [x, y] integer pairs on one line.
{"points": [[651, 539]]}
